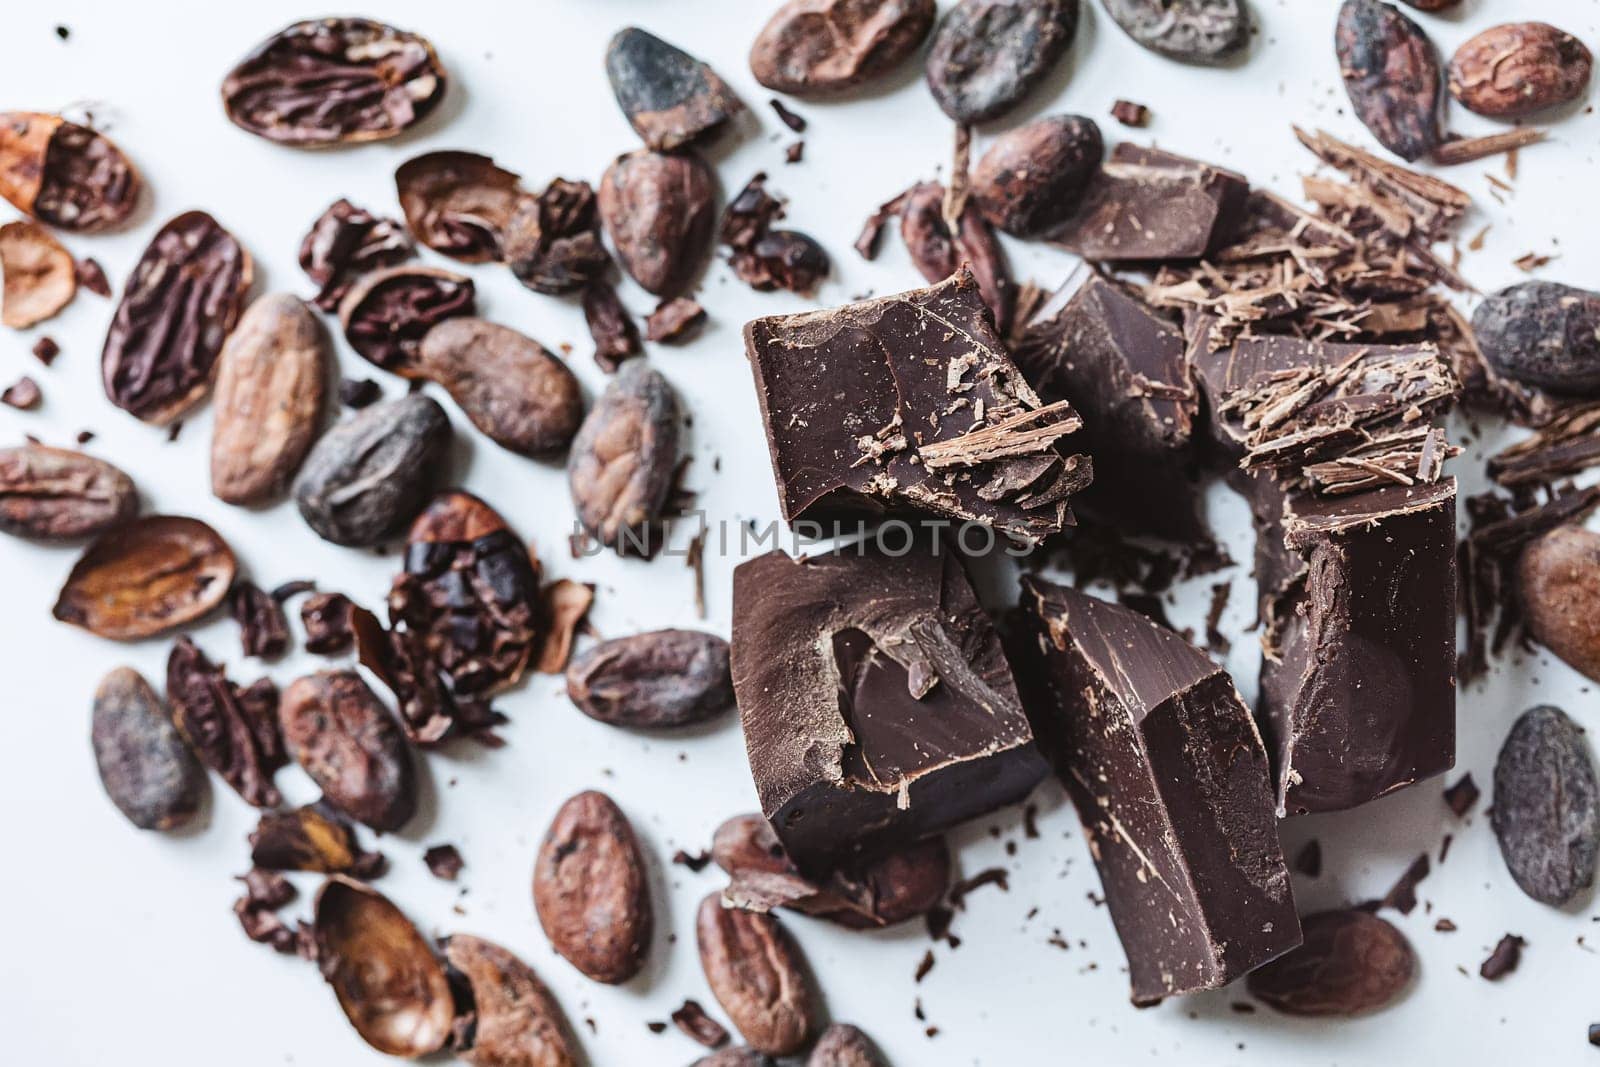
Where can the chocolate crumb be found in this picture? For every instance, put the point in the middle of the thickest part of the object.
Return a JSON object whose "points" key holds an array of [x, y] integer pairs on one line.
{"points": [[85, 436], [1504, 959], [444, 861], [1461, 796], [1030, 822], [63, 32], [925, 965], [656, 1027], [45, 350], [1444, 846], [92, 277], [1403, 897], [174, 430], [992, 876], [795, 152], [790, 119]]}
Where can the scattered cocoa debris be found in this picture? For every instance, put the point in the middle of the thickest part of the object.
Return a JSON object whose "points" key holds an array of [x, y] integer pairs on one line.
{"points": [[696, 862], [564, 606], [693, 1020], [45, 350], [265, 893], [695, 560], [789, 118], [872, 230], [444, 861], [1462, 796], [85, 436], [1531, 261], [765, 258], [675, 320], [1445, 926], [992, 876], [1308, 861], [312, 838], [1504, 959], [1470, 149], [1030, 822], [1129, 113], [1216, 642], [1403, 897], [924, 965], [92, 276], [938, 919], [23, 394], [358, 393], [795, 153], [616, 336], [263, 630]]}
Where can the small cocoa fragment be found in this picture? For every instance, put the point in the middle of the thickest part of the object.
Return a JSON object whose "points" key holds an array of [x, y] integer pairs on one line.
{"points": [[591, 892], [692, 1019], [616, 338], [148, 771], [552, 241], [345, 243], [352, 747], [444, 862], [563, 607], [659, 209], [1519, 68], [263, 630], [658, 680], [22, 394], [326, 618], [234, 731], [310, 839], [40, 277], [147, 577], [756, 973], [92, 276], [58, 495], [675, 320], [842, 1045]]}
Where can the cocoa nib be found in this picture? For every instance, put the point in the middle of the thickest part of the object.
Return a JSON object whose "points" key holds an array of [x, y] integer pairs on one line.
{"points": [[345, 243], [693, 1020], [234, 731], [764, 258], [444, 862], [616, 338], [263, 630], [326, 618], [310, 839], [552, 241], [387, 313]]}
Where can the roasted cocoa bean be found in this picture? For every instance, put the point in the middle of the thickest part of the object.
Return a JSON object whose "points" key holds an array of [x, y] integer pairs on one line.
{"points": [[386, 315], [512, 388], [470, 592], [591, 891], [148, 577], [937, 252], [271, 384], [392, 988], [1196, 31], [552, 241], [658, 680], [1391, 72], [517, 1021], [64, 174], [1031, 177], [147, 770], [39, 275], [1519, 68], [1351, 962], [624, 459], [989, 54], [334, 81], [458, 203], [346, 243], [310, 839], [352, 747], [1543, 334], [234, 731], [659, 209], [842, 1045], [370, 474], [180, 304], [756, 973], [56, 495], [825, 46], [1558, 580], [669, 97], [1546, 812]]}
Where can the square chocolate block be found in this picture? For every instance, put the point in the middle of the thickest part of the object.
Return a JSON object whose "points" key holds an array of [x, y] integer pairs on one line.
{"points": [[1124, 368], [1170, 778], [1358, 682], [877, 703], [910, 404]]}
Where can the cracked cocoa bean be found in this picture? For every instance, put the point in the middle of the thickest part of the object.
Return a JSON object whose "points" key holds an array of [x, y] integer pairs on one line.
{"points": [[148, 771], [1519, 68], [591, 891], [552, 241], [658, 680], [1391, 72], [512, 388], [1546, 812], [624, 459], [659, 209], [64, 174], [827, 46], [989, 54], [1031, 177], [347, 243], [233, 730], [55, 494], [39, 275], [341, 733], [310, 839], [756, 973]]}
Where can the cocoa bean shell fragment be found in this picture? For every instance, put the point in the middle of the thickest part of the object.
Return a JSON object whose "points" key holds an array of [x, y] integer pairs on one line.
{"points": [[1351, 963], [552, 241], [828, 46], [352, 747], [310, 839], [669, 97], [393, 989], [658, 680], [1195, 31], [334, 81], [147, 577], [1546, 812], [512, 388], [591, 891], [1031, 178], [181, 302], [516, 1020], [659, 209], [1519, 68], [989, 54], [147, 769], [1558, 579], [458, 203], [1392, 75], [756, 972], [64, 174], [386, 315], [369, 475], [39, 274], [55, 494], [1543, 334], [623, 460], [271, 391]]}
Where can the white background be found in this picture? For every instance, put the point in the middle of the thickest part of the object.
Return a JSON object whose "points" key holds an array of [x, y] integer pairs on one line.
{"points": [[120, 947]]}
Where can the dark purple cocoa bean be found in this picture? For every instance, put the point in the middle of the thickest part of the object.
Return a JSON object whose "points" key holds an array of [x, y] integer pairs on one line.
{"points": [[1031, 177], [1391, 72], [591, 891], [1195, 31], [669, 97], [1543, 334]]}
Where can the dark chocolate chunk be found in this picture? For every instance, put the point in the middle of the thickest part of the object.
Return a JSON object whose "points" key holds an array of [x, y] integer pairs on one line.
{"points": [[1171, 780], [1124, 369], [1147, 205], [910, 403], [669, 97], [877, 704]]}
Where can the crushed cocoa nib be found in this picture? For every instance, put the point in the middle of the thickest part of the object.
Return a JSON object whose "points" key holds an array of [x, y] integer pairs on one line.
{"points": [[1504, 959], [346, 242], [992, 876], [45, 350], [444, 861], [327, 621], [1129, 113], [263, 630], [92, 276], [693, 1020], [357, 393], [23, 394], [1462, 796], [429, 710], [616, 338], [552, 241], [265, 892], [764, 258], [1403, 896], [675, 320], [787, 117], [924, 966]]}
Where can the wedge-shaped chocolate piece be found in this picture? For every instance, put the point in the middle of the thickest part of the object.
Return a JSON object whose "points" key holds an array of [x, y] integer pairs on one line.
{"points": [[1123, 367], [877, 704], [1145, 205], [1170, 778], [1358, 685], [910, 403]]}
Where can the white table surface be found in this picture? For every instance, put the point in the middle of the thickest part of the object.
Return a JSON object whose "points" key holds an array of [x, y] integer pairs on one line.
{"points": [[120, 947]]}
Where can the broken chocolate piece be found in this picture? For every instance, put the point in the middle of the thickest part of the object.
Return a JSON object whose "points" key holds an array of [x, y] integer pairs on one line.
{"points": [[1148, 205], [1123, 367], [910, 403], [877, 704], [1171, 780]]}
